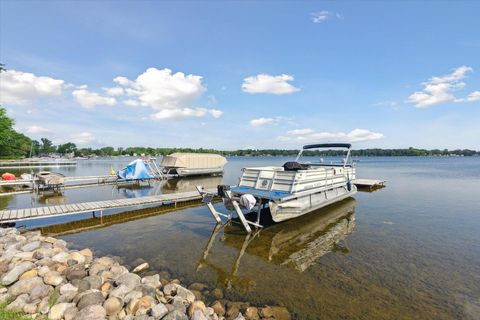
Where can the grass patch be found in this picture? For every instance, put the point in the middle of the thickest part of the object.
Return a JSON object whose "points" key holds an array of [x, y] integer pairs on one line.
{"points": [[10, 315]]}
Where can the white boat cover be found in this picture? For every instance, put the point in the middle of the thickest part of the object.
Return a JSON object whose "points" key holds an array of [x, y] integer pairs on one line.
{"points": [[193, 160]]}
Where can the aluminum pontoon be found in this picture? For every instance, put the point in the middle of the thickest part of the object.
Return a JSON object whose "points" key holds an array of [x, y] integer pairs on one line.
{"points": [[290, 191]]}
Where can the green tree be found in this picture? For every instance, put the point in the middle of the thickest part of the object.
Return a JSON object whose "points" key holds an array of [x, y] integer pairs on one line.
{"points": [[68, 147], [12, 143], [47, 146]]}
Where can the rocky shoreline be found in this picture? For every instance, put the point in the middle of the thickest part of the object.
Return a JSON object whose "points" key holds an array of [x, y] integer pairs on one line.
{"points": [[41, 277]]}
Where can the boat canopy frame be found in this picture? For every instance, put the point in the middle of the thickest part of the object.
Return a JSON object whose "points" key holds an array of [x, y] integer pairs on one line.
{"points": [[347, 146]]}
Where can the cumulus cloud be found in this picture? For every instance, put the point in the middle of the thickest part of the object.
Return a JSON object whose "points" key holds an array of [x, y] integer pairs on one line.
{"points": [[90, 99], [171, 95], [324, 15], [175, 114], [264, 83], [37, 130], [261, 122], [309, 135], [472, 97], [301, 131], [439, 90], [114, 91], [20, 88]]}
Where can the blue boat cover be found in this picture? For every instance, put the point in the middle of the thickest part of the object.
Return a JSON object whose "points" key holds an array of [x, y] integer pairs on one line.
{"points": [[135, 170], [264, 194]]}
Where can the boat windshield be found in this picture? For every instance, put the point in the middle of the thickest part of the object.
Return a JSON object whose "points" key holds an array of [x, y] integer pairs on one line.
{"points": [[346, 161]]}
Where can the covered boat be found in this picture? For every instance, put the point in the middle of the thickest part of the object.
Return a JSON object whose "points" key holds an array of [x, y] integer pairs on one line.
{"points": [[291, 190], [135, 170], [190, 164]]}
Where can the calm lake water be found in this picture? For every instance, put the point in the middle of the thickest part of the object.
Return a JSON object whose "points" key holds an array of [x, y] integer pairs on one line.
{"points": [[408, 251]]}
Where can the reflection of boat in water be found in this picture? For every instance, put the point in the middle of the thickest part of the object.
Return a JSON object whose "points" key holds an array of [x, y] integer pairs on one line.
{"points": [[297, 243], [53, 199], [190, 183]]}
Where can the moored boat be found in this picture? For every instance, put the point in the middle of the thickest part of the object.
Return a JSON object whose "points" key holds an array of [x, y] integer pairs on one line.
{"points": [[293, 189]]}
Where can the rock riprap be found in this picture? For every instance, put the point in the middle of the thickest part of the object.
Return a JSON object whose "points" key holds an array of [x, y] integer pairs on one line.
{"points": [[41, 277]]}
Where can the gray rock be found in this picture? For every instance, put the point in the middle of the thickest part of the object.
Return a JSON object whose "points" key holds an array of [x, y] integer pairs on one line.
{"points": [[25, 285], [60, 257], [68, 288], [158, 311], [13, 275], [76, 272], [40, 292], [185, 294], [5, 297], [66, 297], [170, 289], [60, 244], [121, 291], [34, 245], [56, 312], [93, 312], [95, 282], [153, 281], [177, 304], [143, 317], [18, 304], [175, 315], [70, 313], [96, 268], [146, 290], [53, 278], [142, 267], [89, 299], [30, 308], [130, 280], [113, 305], [198, 315]]}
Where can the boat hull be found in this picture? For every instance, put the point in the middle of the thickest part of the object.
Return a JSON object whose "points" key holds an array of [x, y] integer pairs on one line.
{"points": [[297, 207]]}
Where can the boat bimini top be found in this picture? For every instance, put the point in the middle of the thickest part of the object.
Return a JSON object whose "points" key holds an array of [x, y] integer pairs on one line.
{"points": [[346, 161]]}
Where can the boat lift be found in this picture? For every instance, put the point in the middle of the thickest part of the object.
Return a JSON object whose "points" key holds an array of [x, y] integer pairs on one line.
{"points": [[230, 202]]}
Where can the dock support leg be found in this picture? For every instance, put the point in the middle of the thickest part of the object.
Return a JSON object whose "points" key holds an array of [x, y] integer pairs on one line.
{"points": [[214, 212]]}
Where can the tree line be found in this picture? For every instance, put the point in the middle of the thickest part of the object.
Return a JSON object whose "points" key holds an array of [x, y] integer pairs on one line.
{"points": [[16, 145]]}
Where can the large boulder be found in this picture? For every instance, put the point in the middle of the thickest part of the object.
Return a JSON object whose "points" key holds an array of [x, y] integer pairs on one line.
{"points": [[90, 298], [57, 311], [130, 280], [113, 306], [175, 315], [13, 275], [93, 312], [25, 286]]}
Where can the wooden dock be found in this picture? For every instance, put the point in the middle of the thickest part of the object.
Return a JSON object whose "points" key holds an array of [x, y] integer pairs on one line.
{"points": [[15, 215], [370, 184]]}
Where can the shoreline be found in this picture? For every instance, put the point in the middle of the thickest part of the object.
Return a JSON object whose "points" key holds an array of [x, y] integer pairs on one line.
{"points": [[41, 278]]}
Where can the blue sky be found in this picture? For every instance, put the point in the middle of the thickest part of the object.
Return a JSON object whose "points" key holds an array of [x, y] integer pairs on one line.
{"points": [[234, 75]]}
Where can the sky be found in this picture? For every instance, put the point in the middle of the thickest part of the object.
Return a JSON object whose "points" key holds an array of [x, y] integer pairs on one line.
{"points": [[233, 75]]}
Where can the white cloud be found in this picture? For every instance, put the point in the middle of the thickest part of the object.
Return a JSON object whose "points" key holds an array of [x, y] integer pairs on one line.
{"points": [[170, 95], [312, 136], [261, 122], [175, 114], [474, 96], [123, 81], [324, 15], [90, 99], [83, 138], [20, 88], [37, 130], [264, 83], [114, 91], [439, 90], [301, 131]]}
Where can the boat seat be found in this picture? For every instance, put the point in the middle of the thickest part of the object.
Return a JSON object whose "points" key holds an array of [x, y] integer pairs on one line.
{"points": [[295, 166]]}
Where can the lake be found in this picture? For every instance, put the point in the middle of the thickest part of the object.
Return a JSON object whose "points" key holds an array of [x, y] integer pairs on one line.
{"points": [[407, 251]]}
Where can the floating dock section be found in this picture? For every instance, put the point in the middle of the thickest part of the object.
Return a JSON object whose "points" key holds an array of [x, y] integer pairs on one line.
{"points": [[370, 184], [7, 216]]}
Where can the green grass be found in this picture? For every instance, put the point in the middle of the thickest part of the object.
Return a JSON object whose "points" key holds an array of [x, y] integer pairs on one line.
{"points": [[10, 315]]}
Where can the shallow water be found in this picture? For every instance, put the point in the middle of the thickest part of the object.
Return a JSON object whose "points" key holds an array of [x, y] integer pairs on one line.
{"points": [[408, 251]]}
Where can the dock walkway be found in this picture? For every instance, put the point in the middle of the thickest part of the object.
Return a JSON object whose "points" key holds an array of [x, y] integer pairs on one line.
{"points": [[95, 206]]}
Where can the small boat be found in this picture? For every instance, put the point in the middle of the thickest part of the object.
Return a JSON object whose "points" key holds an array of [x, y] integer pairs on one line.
{"points": [[291, 190], [190, 164], [46, 180]]}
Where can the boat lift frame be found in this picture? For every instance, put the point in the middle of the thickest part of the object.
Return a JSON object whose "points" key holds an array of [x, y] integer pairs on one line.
{"points": [[207, 198]]}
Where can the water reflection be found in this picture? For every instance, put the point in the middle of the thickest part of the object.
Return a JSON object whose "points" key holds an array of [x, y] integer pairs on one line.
{"points": [[52, 199], [296, 243]]}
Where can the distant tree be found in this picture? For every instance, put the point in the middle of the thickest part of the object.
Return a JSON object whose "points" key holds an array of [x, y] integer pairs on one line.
{"points": [[68, 147], [2, 67], [47, 146]]}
